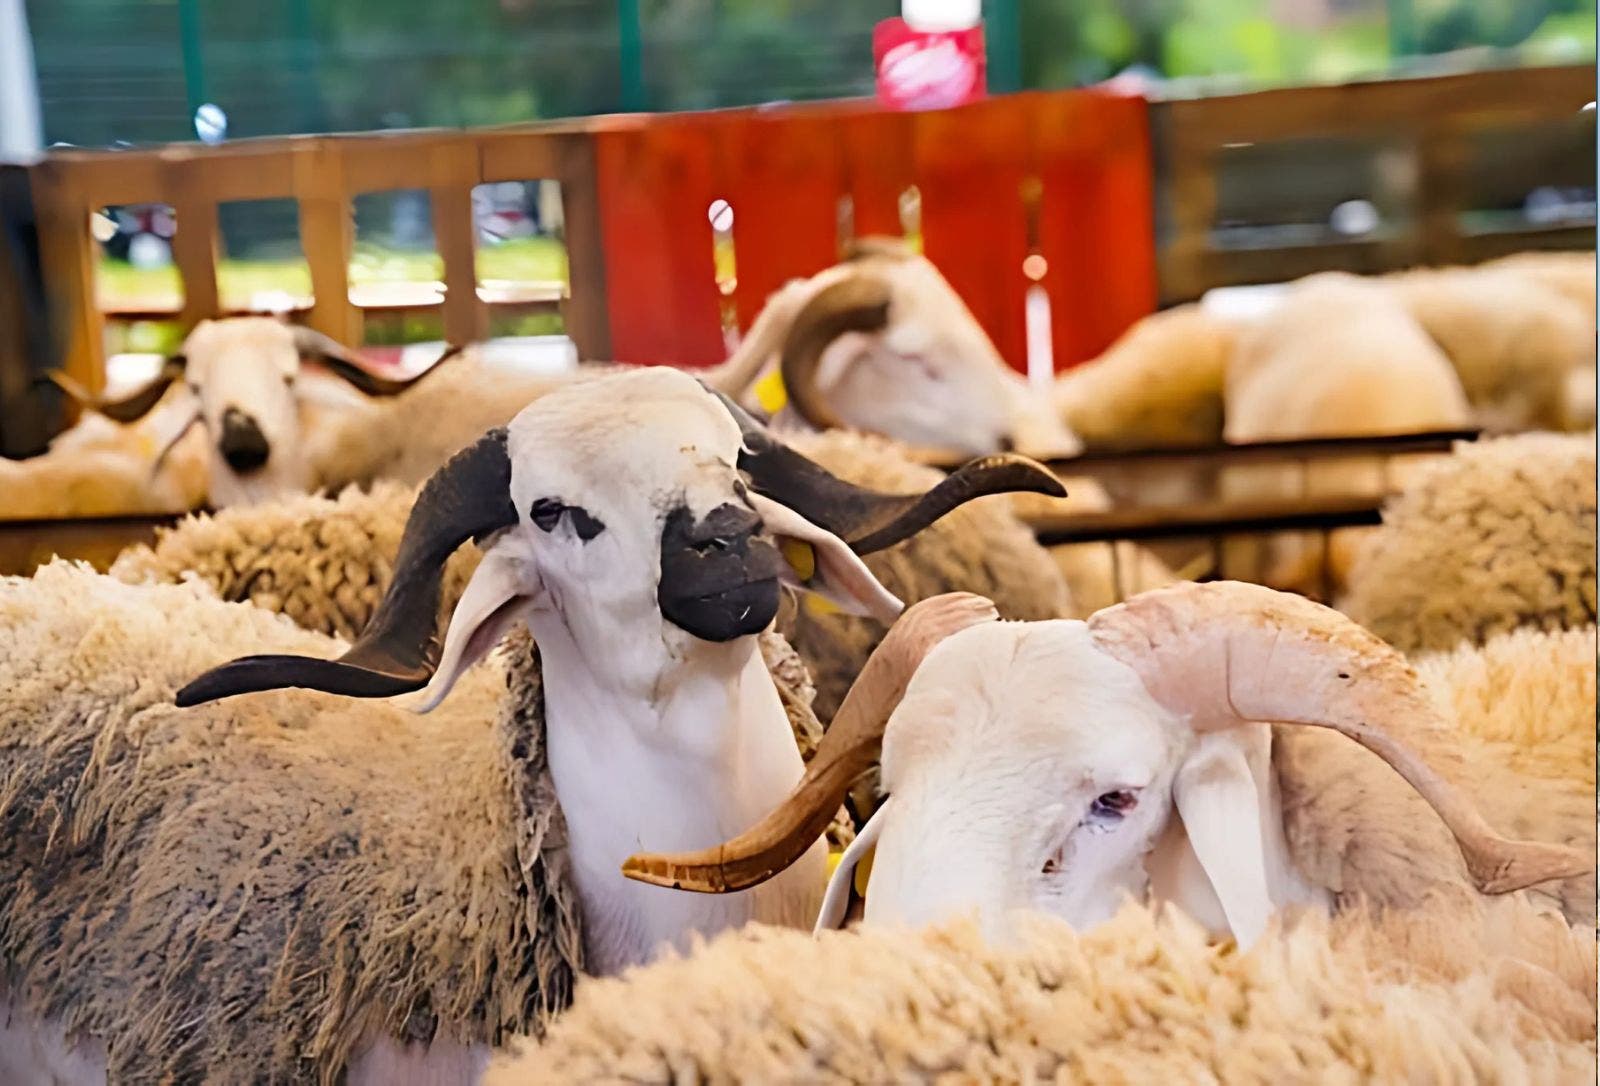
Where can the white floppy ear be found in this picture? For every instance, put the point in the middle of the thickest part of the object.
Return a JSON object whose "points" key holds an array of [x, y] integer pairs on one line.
{"points": [[821, 562], [837, 899], [1219, 801], [501, 591]]}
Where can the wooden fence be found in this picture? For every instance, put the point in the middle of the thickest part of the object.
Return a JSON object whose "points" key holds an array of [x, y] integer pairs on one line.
{"points": [[1069, 179]]}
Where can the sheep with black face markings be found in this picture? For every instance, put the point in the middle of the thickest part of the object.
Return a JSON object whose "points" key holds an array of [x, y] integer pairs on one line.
{"points": [[261, 888]]}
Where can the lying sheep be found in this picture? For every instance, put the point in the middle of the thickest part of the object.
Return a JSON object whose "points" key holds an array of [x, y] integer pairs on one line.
{"points": [[1336, 357], [1498, 535], [1457, 991], [882, 343], [1062, 765], [105, 468], [284, 886], [1514, 342], [1570, 275]]}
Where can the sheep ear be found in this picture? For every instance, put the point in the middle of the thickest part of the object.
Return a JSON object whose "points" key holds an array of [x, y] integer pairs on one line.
{"points": [[836, 901], [468, 498], [857, 303], [868, 520], [1220, 804], [818, 562], [500, 592]]}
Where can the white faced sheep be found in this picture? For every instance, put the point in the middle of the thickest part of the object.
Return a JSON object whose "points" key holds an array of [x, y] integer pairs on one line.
{"points": [[276, 426], [1062, 766], [1497, 535], [882, 343], [280, 886]]}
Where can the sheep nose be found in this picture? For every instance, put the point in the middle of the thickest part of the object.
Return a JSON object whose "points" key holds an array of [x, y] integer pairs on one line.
{"points": [[721, 527], [242, 443]]}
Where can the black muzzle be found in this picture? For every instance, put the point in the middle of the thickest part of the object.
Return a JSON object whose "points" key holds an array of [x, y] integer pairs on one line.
{"points": [[242, 443], [719, 580]]}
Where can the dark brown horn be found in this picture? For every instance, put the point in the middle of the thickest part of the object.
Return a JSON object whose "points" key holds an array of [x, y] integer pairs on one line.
{"points": [[869, 520], [348, 364], [468, 498], [130, 408], [857, 303]]}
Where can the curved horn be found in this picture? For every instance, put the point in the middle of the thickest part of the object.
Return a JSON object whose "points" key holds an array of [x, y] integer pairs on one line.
{"points": [[348, 364], [130, 408], [1227, 653], [468, 498], [848, 749], [869, 520], [857, 303]]}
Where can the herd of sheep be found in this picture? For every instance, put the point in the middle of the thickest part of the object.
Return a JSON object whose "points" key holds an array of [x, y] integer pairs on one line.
{"points": [[509, 729]]}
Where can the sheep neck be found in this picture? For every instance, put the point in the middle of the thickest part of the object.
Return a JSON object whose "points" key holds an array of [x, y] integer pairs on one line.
{"points": [[663, 750]]}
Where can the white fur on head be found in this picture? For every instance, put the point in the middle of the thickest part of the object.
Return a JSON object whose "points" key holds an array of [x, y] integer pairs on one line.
{"points": [[932, 377], [994, 760], [623, 453]]}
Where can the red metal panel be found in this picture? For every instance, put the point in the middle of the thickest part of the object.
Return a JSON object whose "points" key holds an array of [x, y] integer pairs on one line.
{"points": [[783, 175], [878, 167], [1097, 218], [970, 163], [656, 182]]}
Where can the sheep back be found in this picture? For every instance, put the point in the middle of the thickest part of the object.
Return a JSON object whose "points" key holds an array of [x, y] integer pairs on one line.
{"points": [[1461, 990], [1498, 535], [239, 891]]}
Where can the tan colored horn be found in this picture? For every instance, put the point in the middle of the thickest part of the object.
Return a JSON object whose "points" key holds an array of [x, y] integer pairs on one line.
{"points": [[1227, 653], [348, 364], [848, 750], [132, 407], [857, 303]]}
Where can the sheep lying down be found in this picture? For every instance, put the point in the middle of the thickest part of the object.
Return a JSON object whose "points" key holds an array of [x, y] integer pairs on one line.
{"points": [[205, 876]]}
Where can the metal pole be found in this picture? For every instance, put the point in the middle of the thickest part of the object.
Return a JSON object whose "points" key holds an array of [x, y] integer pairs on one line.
{"points": [[194, 76], [1003, 35], [20, 131], [630, 56]]}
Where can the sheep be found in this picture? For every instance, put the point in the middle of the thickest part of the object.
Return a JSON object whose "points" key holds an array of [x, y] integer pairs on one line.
{"points": [[1499, 534], [103, 468], [1569, 274], [1386, 377], [1515, 343], [1040, 765], [1458, 991], [283, 886], [882, 343], [324, 562], [276, 426]]}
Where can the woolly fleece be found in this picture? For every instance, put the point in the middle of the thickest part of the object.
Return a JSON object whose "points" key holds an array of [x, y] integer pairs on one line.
{"points": [[1459, 991], [238, 891], [1500, 534]]}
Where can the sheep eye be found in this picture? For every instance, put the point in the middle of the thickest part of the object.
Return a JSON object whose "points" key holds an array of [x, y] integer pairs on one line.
{"points": [[546, 513], [1113, 805]]}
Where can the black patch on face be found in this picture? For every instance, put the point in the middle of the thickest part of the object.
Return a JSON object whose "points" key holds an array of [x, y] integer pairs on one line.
{"points": [[718, 580], [546, 513]]}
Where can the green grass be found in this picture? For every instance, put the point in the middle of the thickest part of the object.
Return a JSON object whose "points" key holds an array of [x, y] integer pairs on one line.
{"points": [[122, 286]]}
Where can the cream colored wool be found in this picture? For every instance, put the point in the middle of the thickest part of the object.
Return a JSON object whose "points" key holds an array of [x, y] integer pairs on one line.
{"points": [[323, 562], [1160, 383], [1570, 275], [237, 892], [1512, 339], [1521, 747], [1498, 535], [981, 547], [1459, 991]]}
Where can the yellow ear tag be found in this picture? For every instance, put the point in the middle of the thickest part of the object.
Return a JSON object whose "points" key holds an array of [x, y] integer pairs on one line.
{"points": [[801, 558], [833, 861], [864, 870], [770, 393]]}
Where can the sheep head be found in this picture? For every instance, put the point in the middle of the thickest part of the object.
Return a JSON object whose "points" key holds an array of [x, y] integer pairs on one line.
{"points": [[246, 383], [648, 517], [1038, 765], [883, 343]]}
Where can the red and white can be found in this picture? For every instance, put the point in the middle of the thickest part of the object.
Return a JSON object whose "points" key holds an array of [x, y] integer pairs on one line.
{"points": [[928, 69]]}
